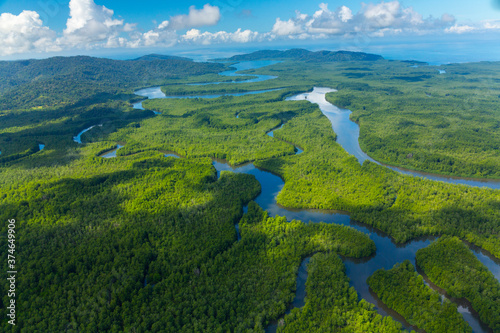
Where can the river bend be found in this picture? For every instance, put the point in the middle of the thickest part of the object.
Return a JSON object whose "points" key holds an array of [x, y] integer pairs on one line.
{"points": [[388, 253]]}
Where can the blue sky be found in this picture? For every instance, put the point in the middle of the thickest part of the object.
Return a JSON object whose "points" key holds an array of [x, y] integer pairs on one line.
{"points": [[29, 27]]}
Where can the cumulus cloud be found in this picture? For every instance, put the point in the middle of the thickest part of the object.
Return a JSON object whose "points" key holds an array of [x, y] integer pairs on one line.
{"points": [[491, 25], [208, 15], [207, 38], [90, 23], [24, 33], [459, 29], [373, 19], [345, 14], [285, 28], [156, 37], [165, 33]]}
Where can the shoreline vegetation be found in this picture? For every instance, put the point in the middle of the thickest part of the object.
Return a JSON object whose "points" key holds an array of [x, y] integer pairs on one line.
{"points": [[402, 289], [147, 243], [332, 305], [450, 265]]}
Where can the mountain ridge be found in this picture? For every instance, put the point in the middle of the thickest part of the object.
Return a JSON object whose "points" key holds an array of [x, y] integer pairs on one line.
{"points": [[306, 55]]}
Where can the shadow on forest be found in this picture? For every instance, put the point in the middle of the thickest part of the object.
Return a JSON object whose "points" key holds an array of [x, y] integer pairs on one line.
{"points": [[59, 137]]}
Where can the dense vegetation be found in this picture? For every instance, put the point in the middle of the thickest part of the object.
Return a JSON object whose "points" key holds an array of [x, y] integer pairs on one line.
{"points": [[403, 290], [451, 265], [326, 177], [409, 117], [63, 80], [333, 306], [49, 101], [147, 243], [306, 55], [22, 131], [209, 127], [420, 119]]}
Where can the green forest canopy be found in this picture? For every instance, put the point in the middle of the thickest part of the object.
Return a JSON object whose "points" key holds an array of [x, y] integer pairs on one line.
{"points": [[107, 243]]}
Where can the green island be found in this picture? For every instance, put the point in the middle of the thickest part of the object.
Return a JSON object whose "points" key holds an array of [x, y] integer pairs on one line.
{"points": [[332, 305], [403, 290], [147, 243], [450, 265]]}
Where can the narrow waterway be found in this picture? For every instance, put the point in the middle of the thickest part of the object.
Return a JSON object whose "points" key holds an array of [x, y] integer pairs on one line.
{"points": [[156, 92], [242, 66], [348, 137], [78, 137], [112, 153], [358, 270], [387, 254]]}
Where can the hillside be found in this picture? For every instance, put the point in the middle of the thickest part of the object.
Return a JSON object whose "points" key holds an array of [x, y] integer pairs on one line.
{"points": [[305, 55], [46, 82]]}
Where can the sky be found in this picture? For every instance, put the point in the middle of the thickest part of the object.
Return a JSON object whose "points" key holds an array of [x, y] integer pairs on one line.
{"points": [[42, 28]]}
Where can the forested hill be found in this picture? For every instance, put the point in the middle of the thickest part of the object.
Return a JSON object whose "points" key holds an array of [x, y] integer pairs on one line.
{"points": [[31, 83], [305, 55], [153, 56]]}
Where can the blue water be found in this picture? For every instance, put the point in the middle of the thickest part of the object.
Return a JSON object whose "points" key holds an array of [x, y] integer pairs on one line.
{"points": [[78, 137], [112, 153], [348, 137], [358, 270], [242, 66], [155, 92], [388, 253]]}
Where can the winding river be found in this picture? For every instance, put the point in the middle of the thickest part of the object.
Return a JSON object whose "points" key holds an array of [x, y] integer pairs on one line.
{"points": [[358, 270], [387, 254], [348, 137]]}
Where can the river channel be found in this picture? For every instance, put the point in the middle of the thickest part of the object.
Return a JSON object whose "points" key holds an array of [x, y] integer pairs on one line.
{"points": [[388, 253]]}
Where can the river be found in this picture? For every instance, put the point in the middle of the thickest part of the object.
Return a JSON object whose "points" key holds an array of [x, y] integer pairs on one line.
{"points": [[387, 254], [348, 137]]}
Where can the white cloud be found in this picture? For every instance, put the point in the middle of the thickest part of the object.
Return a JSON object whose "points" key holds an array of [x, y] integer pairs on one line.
{"points": [[129, 27], [285, 28], [157, 37], [491, 25], [447, 18], [90, 23], [24, 33], [381, 15], [208, 15], [326, 22], [459, 29], [165, 33], [163, 25], [372, 19], [91, 26], [207, 38], [485, 26], [345, 14]]}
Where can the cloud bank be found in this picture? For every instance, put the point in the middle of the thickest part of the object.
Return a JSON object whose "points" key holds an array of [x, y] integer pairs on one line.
{"points": [[94, 26], [380, 19]]}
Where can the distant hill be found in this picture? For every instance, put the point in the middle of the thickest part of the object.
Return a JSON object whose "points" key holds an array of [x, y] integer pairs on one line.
{"points": [[305, 55], [44, 82], [150, 57], [415, 62]]}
